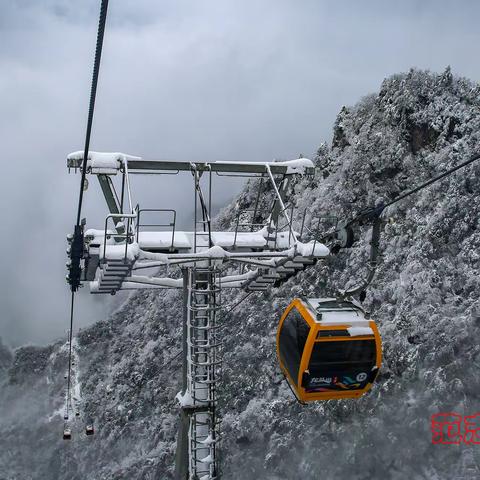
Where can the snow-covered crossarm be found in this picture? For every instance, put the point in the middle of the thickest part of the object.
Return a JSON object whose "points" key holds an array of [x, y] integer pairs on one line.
{"points": [[160, 282], [129, 252], [105, 163], [148, 284], [294, 260], [311, 249], [229, 280], [109, 163], [118, 261], [155, 244], [183, 241], [132, 252]]}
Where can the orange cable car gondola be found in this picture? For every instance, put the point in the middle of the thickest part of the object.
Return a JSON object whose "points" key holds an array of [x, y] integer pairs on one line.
{"points": [[328, 349]]}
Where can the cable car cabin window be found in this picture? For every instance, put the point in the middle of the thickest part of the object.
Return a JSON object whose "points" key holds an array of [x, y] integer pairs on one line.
{"points": [[340, 366], [293, 336], [342, 355]]}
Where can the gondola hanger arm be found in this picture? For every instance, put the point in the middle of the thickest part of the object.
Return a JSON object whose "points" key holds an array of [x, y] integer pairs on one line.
{"points": [[375, 216]]}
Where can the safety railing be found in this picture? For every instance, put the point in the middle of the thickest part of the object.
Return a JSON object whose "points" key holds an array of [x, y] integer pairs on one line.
{"points": [[124, 232], [249, 225], [288, 226], [241, 226], [171, 224]]}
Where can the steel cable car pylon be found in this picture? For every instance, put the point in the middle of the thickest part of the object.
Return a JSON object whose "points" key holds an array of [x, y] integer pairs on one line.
{"points": [[209, 261], [198, 431], [198, 399]]}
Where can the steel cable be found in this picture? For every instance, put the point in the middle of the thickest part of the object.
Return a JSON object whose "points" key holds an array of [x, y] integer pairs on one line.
{"points": [[376, 211], [93, 93]]}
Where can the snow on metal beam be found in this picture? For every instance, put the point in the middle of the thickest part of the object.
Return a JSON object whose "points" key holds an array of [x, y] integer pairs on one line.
{"points": [[108, 163]]}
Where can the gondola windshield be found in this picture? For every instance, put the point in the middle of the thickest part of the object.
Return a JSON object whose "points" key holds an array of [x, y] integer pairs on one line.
{"points": [[342, 355], [338, 365]]}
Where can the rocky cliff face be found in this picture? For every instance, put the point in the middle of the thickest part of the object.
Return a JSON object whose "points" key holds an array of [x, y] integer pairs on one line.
{"points": [[424, 298]]}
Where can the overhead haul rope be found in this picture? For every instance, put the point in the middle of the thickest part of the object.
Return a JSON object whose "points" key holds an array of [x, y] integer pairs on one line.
{"points": [[76, 252], [377, 211], [373, 214], [93, 93]]}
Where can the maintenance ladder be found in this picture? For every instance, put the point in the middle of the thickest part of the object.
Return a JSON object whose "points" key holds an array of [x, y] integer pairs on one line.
{"points": [[203, 362]]}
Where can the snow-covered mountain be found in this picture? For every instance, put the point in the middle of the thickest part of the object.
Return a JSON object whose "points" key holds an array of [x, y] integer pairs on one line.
{"points": [[424, 298]]}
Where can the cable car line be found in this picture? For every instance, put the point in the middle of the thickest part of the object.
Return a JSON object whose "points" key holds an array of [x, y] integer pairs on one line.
{"points": [[371, 213], [171, 359], [342, 236], [377, 211], [237, 304], [433, 180], [69, 374], [76, 240], [93, 93]]}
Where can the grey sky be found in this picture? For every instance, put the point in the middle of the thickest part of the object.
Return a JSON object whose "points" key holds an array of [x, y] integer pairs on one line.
{"points": [[222, 79]]}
